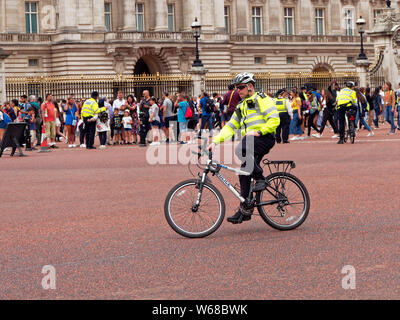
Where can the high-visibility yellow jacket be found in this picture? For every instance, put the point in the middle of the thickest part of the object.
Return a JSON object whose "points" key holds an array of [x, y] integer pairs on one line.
{"points": [[281, 105], [90, 108], [261, 115], [346, 97]]}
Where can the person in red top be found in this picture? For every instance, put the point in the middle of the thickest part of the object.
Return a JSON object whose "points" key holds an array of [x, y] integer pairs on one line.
{"points": [[230, 101], [49, 115]]}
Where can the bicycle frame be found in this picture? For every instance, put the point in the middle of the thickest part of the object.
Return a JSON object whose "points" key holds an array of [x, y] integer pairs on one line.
{"points": [[216, 172]]}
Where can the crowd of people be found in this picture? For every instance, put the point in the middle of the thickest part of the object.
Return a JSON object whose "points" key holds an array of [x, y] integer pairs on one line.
{"points": [[128, 120]]}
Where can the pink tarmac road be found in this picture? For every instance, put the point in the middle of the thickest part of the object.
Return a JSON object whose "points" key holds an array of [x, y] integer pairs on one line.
{"points": [[97, 217]]}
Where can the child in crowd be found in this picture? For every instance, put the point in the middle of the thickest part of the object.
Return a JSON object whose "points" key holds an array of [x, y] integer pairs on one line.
{"points": [[32, 125], [102, 127], [127, 121], [117, 127]]}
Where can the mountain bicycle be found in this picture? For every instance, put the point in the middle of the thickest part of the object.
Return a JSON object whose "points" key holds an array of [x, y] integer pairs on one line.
{"points": [[196, 208]]}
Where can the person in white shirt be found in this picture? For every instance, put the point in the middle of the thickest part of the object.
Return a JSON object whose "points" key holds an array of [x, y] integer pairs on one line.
{"points": [[154, 121], [119, 104]]}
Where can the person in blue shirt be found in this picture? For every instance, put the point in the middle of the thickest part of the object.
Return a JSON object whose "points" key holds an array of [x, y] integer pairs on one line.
{"points": [[206, 117], [4, 121], [183, 104]]}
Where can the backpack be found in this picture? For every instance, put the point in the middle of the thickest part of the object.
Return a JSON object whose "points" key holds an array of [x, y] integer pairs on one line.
{"points": [[189, 112], [210, 106]]}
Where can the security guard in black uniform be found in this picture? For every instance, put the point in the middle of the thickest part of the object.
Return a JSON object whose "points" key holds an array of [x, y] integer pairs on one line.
{"points": [[282, 105]]}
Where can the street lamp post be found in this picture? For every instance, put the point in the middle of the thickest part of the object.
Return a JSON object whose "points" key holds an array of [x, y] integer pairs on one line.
{"points": [[196, 27], [360, 24]]}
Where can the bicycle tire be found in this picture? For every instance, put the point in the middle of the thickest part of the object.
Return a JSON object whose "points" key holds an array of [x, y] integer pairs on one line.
{"points": [[352, 133], [179, 229], [304, 192]]}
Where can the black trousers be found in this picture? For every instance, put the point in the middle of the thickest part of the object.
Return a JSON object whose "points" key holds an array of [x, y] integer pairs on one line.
{"points": [[90, 128], [342, 121], [103, 138], [311, 123], [328, 116], [82, 133], [282, 132], [251, 155]]}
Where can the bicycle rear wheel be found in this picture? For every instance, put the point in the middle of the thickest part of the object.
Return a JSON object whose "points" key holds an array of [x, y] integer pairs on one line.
{"points": [[294, 202], [191, 222], [352, 132]]}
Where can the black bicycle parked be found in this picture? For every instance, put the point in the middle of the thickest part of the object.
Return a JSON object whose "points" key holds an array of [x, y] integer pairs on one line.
{"points": [[195, 208]]}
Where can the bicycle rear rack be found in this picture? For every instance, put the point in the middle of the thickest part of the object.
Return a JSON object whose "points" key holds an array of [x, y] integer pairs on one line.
{"points": [[279, 166]]}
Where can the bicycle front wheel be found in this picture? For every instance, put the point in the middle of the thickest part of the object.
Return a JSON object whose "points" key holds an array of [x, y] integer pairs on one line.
{"points": [[294, 202], [191, 222]]}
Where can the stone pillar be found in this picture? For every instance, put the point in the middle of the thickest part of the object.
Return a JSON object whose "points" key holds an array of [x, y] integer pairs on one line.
{"points": [[67, 15], [129, 15], [3, 95], [13, 23], [99, 23], [199, 80], [161, 15], [362, 70], [274, 12], [219, 22], [191, 10], [243, 17], [336, 18], [305, 11], [3, 16]]}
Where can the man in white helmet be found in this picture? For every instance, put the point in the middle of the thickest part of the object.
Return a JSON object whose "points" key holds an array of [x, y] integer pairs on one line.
{"points": [[258, 118]]}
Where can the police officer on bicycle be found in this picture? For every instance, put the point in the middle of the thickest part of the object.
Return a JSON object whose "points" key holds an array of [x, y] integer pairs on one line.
{"points": [[258, 118], [346, 100]]}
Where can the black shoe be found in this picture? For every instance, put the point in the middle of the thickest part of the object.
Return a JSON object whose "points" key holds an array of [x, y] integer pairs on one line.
{"points": [[260, 186], [91, 148], [239, 217], [278, 142], [54, 146], [286, 142], [340, 141]]}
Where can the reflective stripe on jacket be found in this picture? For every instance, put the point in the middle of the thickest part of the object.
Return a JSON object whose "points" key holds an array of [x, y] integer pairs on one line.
{"points": [[260, 116], [346, 97], [280, 105], [90, 108]]}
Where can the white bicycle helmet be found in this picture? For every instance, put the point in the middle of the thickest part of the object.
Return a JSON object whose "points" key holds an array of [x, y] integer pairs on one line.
{"points": [[244, 78]]}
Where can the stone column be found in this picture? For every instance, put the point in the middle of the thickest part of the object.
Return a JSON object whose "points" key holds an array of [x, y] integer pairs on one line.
{"points": [[362, 70], [161, 15], [306, 12], [336, 18], [191, 10], [242, 17], [207, 16], [13, 14], [219, 23], [129, 15], [67, 15], [99, 23], [274, 12], [3, 95]]}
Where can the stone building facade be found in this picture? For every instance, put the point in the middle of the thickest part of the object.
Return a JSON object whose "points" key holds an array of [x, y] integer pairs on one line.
{"points": [[66, 37]]}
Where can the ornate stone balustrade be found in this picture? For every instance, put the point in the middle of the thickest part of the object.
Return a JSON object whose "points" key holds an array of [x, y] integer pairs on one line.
{"points": [[174, 37]]}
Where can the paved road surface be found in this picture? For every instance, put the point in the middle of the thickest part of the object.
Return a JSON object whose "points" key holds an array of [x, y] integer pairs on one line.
{"points": [[97, 217]]}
